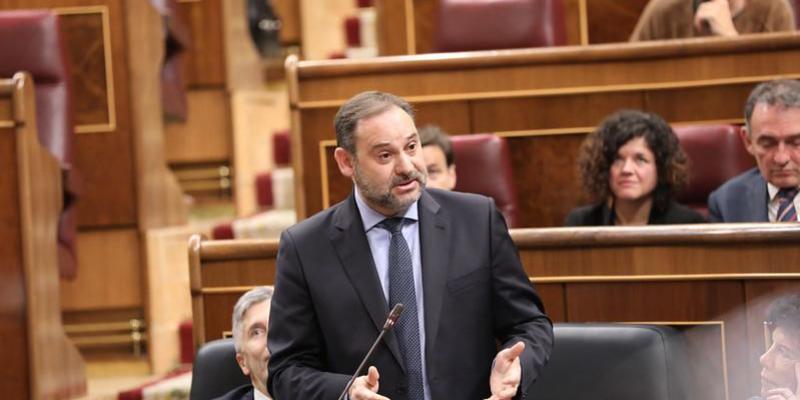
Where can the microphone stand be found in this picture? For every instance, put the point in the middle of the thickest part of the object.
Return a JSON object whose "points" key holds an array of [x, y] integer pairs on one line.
{"points": [[387, 326]]}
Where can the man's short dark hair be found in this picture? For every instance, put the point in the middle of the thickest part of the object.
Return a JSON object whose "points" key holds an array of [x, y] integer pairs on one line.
{"points": [[361, 106], [785, 313], [432, 135], [784, 93]]}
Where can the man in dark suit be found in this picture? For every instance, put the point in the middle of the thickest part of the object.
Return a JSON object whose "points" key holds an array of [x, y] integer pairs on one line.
{"points": [[772, 135], [449, 255], [249, 322]]}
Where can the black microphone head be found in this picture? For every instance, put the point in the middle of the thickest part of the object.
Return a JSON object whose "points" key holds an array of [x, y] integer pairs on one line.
{"points": [[393, 316]]}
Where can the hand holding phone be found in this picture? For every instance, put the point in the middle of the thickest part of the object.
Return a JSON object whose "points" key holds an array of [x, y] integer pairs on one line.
{"points": [[714, 17]]}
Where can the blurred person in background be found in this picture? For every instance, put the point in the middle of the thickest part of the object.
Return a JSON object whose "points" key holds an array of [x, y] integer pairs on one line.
{"points": [[439, 161], [676, 19], [780, 364]]}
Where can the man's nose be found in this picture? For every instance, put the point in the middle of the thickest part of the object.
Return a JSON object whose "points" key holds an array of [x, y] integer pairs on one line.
{"points": [[766, 358], [403, 164], [782, 154]]}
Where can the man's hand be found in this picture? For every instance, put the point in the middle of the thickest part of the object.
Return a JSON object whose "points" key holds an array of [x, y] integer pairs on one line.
{"points": [[716, 16], [366, 387], [784, 393], [506, 373]]}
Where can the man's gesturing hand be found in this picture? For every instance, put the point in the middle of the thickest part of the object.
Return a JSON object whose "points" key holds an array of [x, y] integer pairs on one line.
{"points": [[506, 373], [366, 387]]}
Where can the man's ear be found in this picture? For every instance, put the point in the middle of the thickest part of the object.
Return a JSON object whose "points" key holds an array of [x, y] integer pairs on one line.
{"points": [[744, 134], [242, 364], [345, 162]]}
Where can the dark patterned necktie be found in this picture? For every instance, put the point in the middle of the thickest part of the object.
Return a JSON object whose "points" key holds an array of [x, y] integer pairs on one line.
{"points": [[401, 290], [786, 210]]}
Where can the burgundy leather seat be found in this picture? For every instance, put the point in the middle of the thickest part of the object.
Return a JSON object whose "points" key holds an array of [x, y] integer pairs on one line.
{"points": [[465, 25], [33, 42], [716, 153], [483, 166]]}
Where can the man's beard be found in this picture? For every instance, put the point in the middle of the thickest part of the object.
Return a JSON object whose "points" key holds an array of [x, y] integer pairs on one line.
{"points": [[385, 198]]}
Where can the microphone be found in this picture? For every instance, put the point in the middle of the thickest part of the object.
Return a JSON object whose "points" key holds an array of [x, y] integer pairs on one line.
{"points": [[391, 319]]}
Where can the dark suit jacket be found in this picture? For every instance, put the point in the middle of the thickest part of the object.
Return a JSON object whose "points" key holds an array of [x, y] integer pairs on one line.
{"points": [[244, 392], [329, 307], [743, 198], [600, 215]]}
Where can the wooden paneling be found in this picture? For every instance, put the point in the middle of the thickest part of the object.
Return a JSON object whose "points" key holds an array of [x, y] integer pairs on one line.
{"points": [[549, 183], [665, 302], [39, 362], [543, 100], [321, 24], [95, 45], [204, 62], [712, 282], [289, 13], [612, 20], [424, 20], [392, 28], [553, 297], [87, 56], [13, 330], [604, 21], [205, 136], [110, 272]]}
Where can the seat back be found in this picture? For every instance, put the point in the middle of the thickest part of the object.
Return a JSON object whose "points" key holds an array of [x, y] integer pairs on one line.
{"points": [[216, 371], [483, 165], [614, 361], [37, 47], [465, 25], [716, 153]]}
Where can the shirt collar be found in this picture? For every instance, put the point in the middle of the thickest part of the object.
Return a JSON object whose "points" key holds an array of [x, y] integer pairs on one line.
{"points": [[257, 395], [370, 217], [772, 190]]}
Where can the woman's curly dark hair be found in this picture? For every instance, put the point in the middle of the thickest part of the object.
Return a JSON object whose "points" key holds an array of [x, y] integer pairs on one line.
{"points": [[600, 148]]}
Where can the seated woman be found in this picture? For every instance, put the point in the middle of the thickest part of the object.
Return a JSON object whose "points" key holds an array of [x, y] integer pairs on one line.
{"points": [[631, 166]]}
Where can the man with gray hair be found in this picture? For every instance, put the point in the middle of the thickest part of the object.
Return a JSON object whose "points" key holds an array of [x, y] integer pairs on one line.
{"points": [[249, 322], [772, 135]]}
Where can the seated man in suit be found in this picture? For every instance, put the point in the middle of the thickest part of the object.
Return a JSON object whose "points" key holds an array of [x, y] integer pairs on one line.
{"points": [[772, 135], [250, 319], [446, 256], [676, 19], [438, 152], [780, 364]]}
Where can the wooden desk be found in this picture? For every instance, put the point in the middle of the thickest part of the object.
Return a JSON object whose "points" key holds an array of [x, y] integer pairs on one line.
{"points": [[542, 100], [714, 281], [38, 360]]}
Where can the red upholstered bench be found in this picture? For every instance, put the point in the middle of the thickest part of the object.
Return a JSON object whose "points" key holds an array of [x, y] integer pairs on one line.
{"points": [[465, 25], [716, 153]]}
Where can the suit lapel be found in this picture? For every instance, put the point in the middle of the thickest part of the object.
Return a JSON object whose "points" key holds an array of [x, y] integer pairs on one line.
{"points": [[435, 243], [758, 199], [350, 241]]}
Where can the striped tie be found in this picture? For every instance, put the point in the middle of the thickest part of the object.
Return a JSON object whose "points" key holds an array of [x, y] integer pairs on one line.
{"points": [[786, 210], [401, 290]]}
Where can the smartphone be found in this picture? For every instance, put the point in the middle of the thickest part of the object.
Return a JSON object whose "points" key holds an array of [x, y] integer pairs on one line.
{"points": [[696, 5]]}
